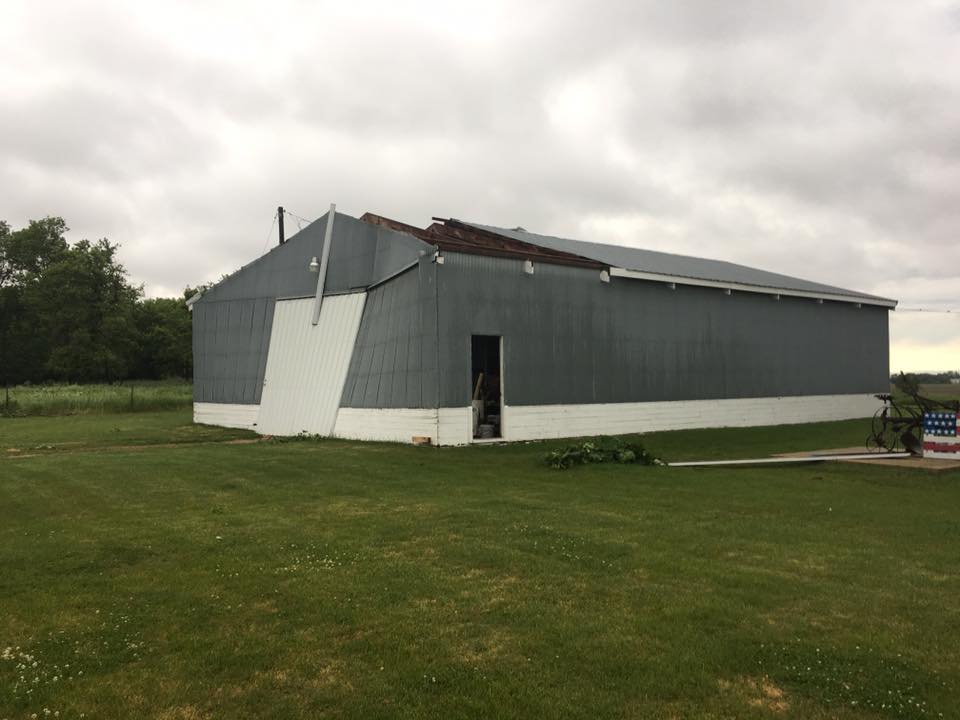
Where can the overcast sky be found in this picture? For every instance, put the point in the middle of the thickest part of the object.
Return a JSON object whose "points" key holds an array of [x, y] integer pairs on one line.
{"points": [[817, 139]]}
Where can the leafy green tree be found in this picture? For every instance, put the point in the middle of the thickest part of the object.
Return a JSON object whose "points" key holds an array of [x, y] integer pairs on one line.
{"points": [[24, 256], [86, 310], [26, 253], [70, 313], [165, 339]]}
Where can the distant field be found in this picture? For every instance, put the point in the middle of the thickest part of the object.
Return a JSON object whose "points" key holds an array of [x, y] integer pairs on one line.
{"points": [[941, 391], [136, 396], [149, 569]]}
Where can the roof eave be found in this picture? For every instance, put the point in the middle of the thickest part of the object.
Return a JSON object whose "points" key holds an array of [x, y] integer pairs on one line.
{"points": [[744, 287]]}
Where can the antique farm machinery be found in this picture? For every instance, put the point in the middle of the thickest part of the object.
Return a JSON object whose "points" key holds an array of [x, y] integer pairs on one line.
{"points": [[898, 425]]}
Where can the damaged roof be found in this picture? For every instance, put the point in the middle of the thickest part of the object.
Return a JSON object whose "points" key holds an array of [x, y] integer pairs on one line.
{"points": [[660, 265]]}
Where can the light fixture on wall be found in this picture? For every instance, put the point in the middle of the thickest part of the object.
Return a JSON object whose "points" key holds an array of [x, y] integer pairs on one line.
{"points": [[314, 264], [528, 267]]}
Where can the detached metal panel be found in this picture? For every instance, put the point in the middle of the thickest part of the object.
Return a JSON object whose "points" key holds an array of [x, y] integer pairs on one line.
{"points": [[390, 367], [307, 364], [569, 338]]}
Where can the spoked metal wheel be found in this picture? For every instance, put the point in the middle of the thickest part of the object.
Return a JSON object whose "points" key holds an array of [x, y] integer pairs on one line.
{"points": [[889, 424]]}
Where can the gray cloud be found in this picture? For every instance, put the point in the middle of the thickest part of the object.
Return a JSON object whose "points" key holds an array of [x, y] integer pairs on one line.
{"points": [[812, 138]]}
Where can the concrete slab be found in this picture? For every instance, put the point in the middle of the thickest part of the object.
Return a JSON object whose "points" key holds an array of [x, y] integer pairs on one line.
{"points": [[916, 463]]}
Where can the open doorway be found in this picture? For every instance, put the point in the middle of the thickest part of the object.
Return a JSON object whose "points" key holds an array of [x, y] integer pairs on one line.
{"points": [[486, 387]]}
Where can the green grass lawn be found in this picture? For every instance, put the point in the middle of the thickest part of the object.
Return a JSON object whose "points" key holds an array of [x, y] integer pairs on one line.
{"points": [[336, 579]]}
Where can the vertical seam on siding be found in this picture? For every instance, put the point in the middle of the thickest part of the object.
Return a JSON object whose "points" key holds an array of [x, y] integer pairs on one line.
{"points": [[436, 344]]}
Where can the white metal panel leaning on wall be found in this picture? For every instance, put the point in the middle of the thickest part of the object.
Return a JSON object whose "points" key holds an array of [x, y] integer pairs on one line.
{"points": [[307, 364]]}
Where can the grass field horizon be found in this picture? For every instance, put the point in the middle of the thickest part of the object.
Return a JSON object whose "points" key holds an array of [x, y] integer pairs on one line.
{"points": [[150, 569], [92, 398]]}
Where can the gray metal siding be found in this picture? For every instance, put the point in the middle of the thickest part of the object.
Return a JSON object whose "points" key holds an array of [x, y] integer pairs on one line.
{"points": [[394, 359], [360, 255], [233, 320], [230, 340], [570, 339]]}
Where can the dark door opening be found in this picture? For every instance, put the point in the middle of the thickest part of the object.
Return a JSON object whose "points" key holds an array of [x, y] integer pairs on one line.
{"points": [[486, 386]]}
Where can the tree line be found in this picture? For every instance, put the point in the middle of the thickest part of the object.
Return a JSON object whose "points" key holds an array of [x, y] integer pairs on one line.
{"points": [[69, 313], [929, 378]]}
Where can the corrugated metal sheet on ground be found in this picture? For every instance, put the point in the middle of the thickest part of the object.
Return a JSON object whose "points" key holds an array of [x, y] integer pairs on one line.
{"points": [[307, 364]]}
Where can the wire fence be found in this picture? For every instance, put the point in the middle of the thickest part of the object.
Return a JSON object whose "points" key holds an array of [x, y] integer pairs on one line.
{"points": [[76, 399]]}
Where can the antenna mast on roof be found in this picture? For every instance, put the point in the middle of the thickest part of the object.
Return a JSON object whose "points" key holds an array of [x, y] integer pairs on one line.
{"points": [[280, 223]]}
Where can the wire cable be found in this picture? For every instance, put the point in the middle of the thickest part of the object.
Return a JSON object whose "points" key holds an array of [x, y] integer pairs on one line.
{"points": [[298, 218], [269, 233], [948, 311]]}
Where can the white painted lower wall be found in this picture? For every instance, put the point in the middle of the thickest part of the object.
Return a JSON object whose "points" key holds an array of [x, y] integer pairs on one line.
{"points": [[226, 415], [386, 424], [444, 426], [453, 426], [537, 422]]}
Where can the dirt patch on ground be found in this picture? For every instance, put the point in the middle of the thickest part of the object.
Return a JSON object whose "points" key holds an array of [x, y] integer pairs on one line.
{"points": [[266, 606], [185, 712], [757, 692], [917, 463], [330, 675], [492, 645], [21, 453]]}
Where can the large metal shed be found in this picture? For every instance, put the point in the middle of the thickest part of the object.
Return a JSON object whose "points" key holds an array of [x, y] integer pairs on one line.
{"points": [[377, 330]]}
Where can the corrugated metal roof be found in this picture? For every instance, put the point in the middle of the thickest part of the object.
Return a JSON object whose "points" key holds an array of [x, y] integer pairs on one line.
{"points": [[680, 266]]}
